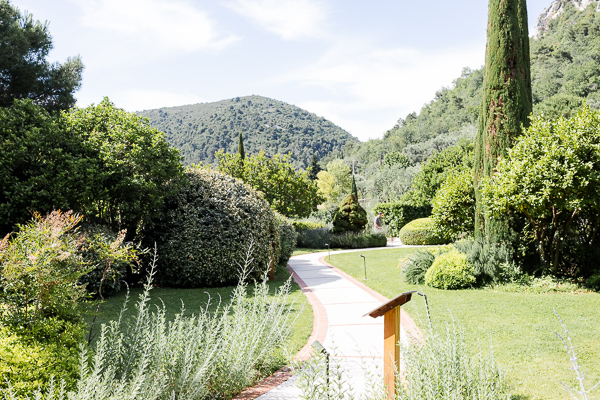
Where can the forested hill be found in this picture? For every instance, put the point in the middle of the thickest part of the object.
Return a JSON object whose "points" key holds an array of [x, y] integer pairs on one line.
{"points": [[565, 71], [200, 130]]}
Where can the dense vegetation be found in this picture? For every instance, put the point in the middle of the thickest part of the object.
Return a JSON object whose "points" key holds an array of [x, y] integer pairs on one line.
{"points": [[275, 127]]}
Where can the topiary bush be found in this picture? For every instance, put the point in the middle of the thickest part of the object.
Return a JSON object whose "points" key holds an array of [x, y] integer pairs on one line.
{"points": [[350, 216], [450, 270], [287, 238], [211, 226], [420, 232]]}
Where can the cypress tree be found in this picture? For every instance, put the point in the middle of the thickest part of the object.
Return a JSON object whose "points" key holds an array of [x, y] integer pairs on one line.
{"points": [[506, 102], [354, 188], [314, 168], [241, 148]]}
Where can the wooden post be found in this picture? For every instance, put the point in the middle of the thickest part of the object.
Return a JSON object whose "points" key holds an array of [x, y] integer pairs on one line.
{"points": [[391, 338], [391, 350]]}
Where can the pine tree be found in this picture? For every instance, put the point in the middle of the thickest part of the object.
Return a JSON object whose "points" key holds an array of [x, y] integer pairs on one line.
{"points": [[506, 102], [241, 148]]}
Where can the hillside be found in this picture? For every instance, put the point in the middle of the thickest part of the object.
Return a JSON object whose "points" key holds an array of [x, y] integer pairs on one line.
{"points": [[565, 71], [200, 130]]}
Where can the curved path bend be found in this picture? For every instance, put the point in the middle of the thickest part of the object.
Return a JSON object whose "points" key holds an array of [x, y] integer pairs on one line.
{"points": [[339, 304]]}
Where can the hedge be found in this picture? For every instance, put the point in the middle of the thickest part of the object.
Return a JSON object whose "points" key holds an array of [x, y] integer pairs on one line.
{"points": [[398, 214], [420, 232]]}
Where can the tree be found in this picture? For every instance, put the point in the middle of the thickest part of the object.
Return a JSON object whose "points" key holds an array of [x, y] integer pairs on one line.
{"points": [[454, 205], [24, 71], [287, 190], [354, 188], [241, 148], [552, 177], [335, 181], [506, 102], [132, 165], [42, 166], [314, 168], [350, 216]]}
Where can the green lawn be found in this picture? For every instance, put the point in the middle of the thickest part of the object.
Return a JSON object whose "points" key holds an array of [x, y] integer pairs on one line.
{"points": [[520, 327], [195, 299]]}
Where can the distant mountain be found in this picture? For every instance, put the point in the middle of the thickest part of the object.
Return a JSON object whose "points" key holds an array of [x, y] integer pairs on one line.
{"points": [[199, 130]]}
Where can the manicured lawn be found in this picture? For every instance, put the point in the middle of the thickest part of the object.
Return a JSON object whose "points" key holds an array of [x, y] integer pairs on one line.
{"points": [[195, 299], [520, 327]]}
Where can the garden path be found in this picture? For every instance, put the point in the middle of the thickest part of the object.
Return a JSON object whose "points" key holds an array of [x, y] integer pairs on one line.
{"points": [[339, 304]]}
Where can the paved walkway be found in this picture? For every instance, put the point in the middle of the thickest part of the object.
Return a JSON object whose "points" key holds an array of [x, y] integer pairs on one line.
{"points": [[339, 303]]}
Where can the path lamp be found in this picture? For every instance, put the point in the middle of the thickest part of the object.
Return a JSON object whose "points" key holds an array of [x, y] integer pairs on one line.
{"points": [[365, 263], [319, 347], [328, 251]]}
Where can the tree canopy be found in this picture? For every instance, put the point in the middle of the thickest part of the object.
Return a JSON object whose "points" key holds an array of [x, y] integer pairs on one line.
{"points": [[25, 73]]}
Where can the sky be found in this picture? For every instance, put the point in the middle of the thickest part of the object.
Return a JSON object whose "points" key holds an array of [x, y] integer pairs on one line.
{"points": [[361, 64]]}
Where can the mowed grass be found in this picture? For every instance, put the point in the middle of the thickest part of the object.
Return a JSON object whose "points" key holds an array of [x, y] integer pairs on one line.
{"points": [[196, 299], [520, 327]]}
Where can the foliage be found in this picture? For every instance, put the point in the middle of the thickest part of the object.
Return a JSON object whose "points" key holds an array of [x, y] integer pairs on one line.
{"points": [[350, 216], [314, 238], [492, 262], [450, 270], [42, 167], [335, 181], [397, 159], [593, 282], [453, 209], [420, 231], [241, 151], [387, 183], [275, 127], [26, 74], [108, 257], [132, 165], [287, 238], [40, 266], [202, 356], [565, 69], [205, 231], [416, 266], [552, 177], [397, 215], [442, 367], [289, 191], [314, 168], [32, 360], [436, 170], [358, 240], [303, 225], [507, 101]]}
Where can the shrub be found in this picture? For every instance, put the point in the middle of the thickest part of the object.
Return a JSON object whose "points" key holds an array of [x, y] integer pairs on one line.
{"points": [[314, 238], [593, 282], [350, 216], [416, 266], [307, 225], [420, 232], [209, 226], [454, 205], [450, 270], [287, 238], [398, 214], [358, 240], [492, 262], [31, 360], [109, 258]]}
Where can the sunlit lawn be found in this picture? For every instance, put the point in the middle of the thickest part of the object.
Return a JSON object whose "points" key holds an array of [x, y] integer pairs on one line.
{"points": [[520, 327], [195, 299]]}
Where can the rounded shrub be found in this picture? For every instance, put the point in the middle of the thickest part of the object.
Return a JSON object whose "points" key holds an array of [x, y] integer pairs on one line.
{"points": [[350, 216], [420, 232], [450, 270], [417, 265], [287, 237], [210, 228]]}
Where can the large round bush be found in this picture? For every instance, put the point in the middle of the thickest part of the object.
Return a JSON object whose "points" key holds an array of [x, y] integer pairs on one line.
{"points": [[420, 232], [450, 271], [211, 227]]}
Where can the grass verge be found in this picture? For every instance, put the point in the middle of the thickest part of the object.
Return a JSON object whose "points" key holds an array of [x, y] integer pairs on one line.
{"points": [[519, 326], [195, 299]]}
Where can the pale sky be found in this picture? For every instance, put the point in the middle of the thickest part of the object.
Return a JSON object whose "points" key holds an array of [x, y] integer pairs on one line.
{"points": [[361, 64]]}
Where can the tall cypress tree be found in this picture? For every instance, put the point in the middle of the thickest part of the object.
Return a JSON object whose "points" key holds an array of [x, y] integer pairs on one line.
{"points": [[506, 102], [354, 188], [241, 148], [315, 168]]}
